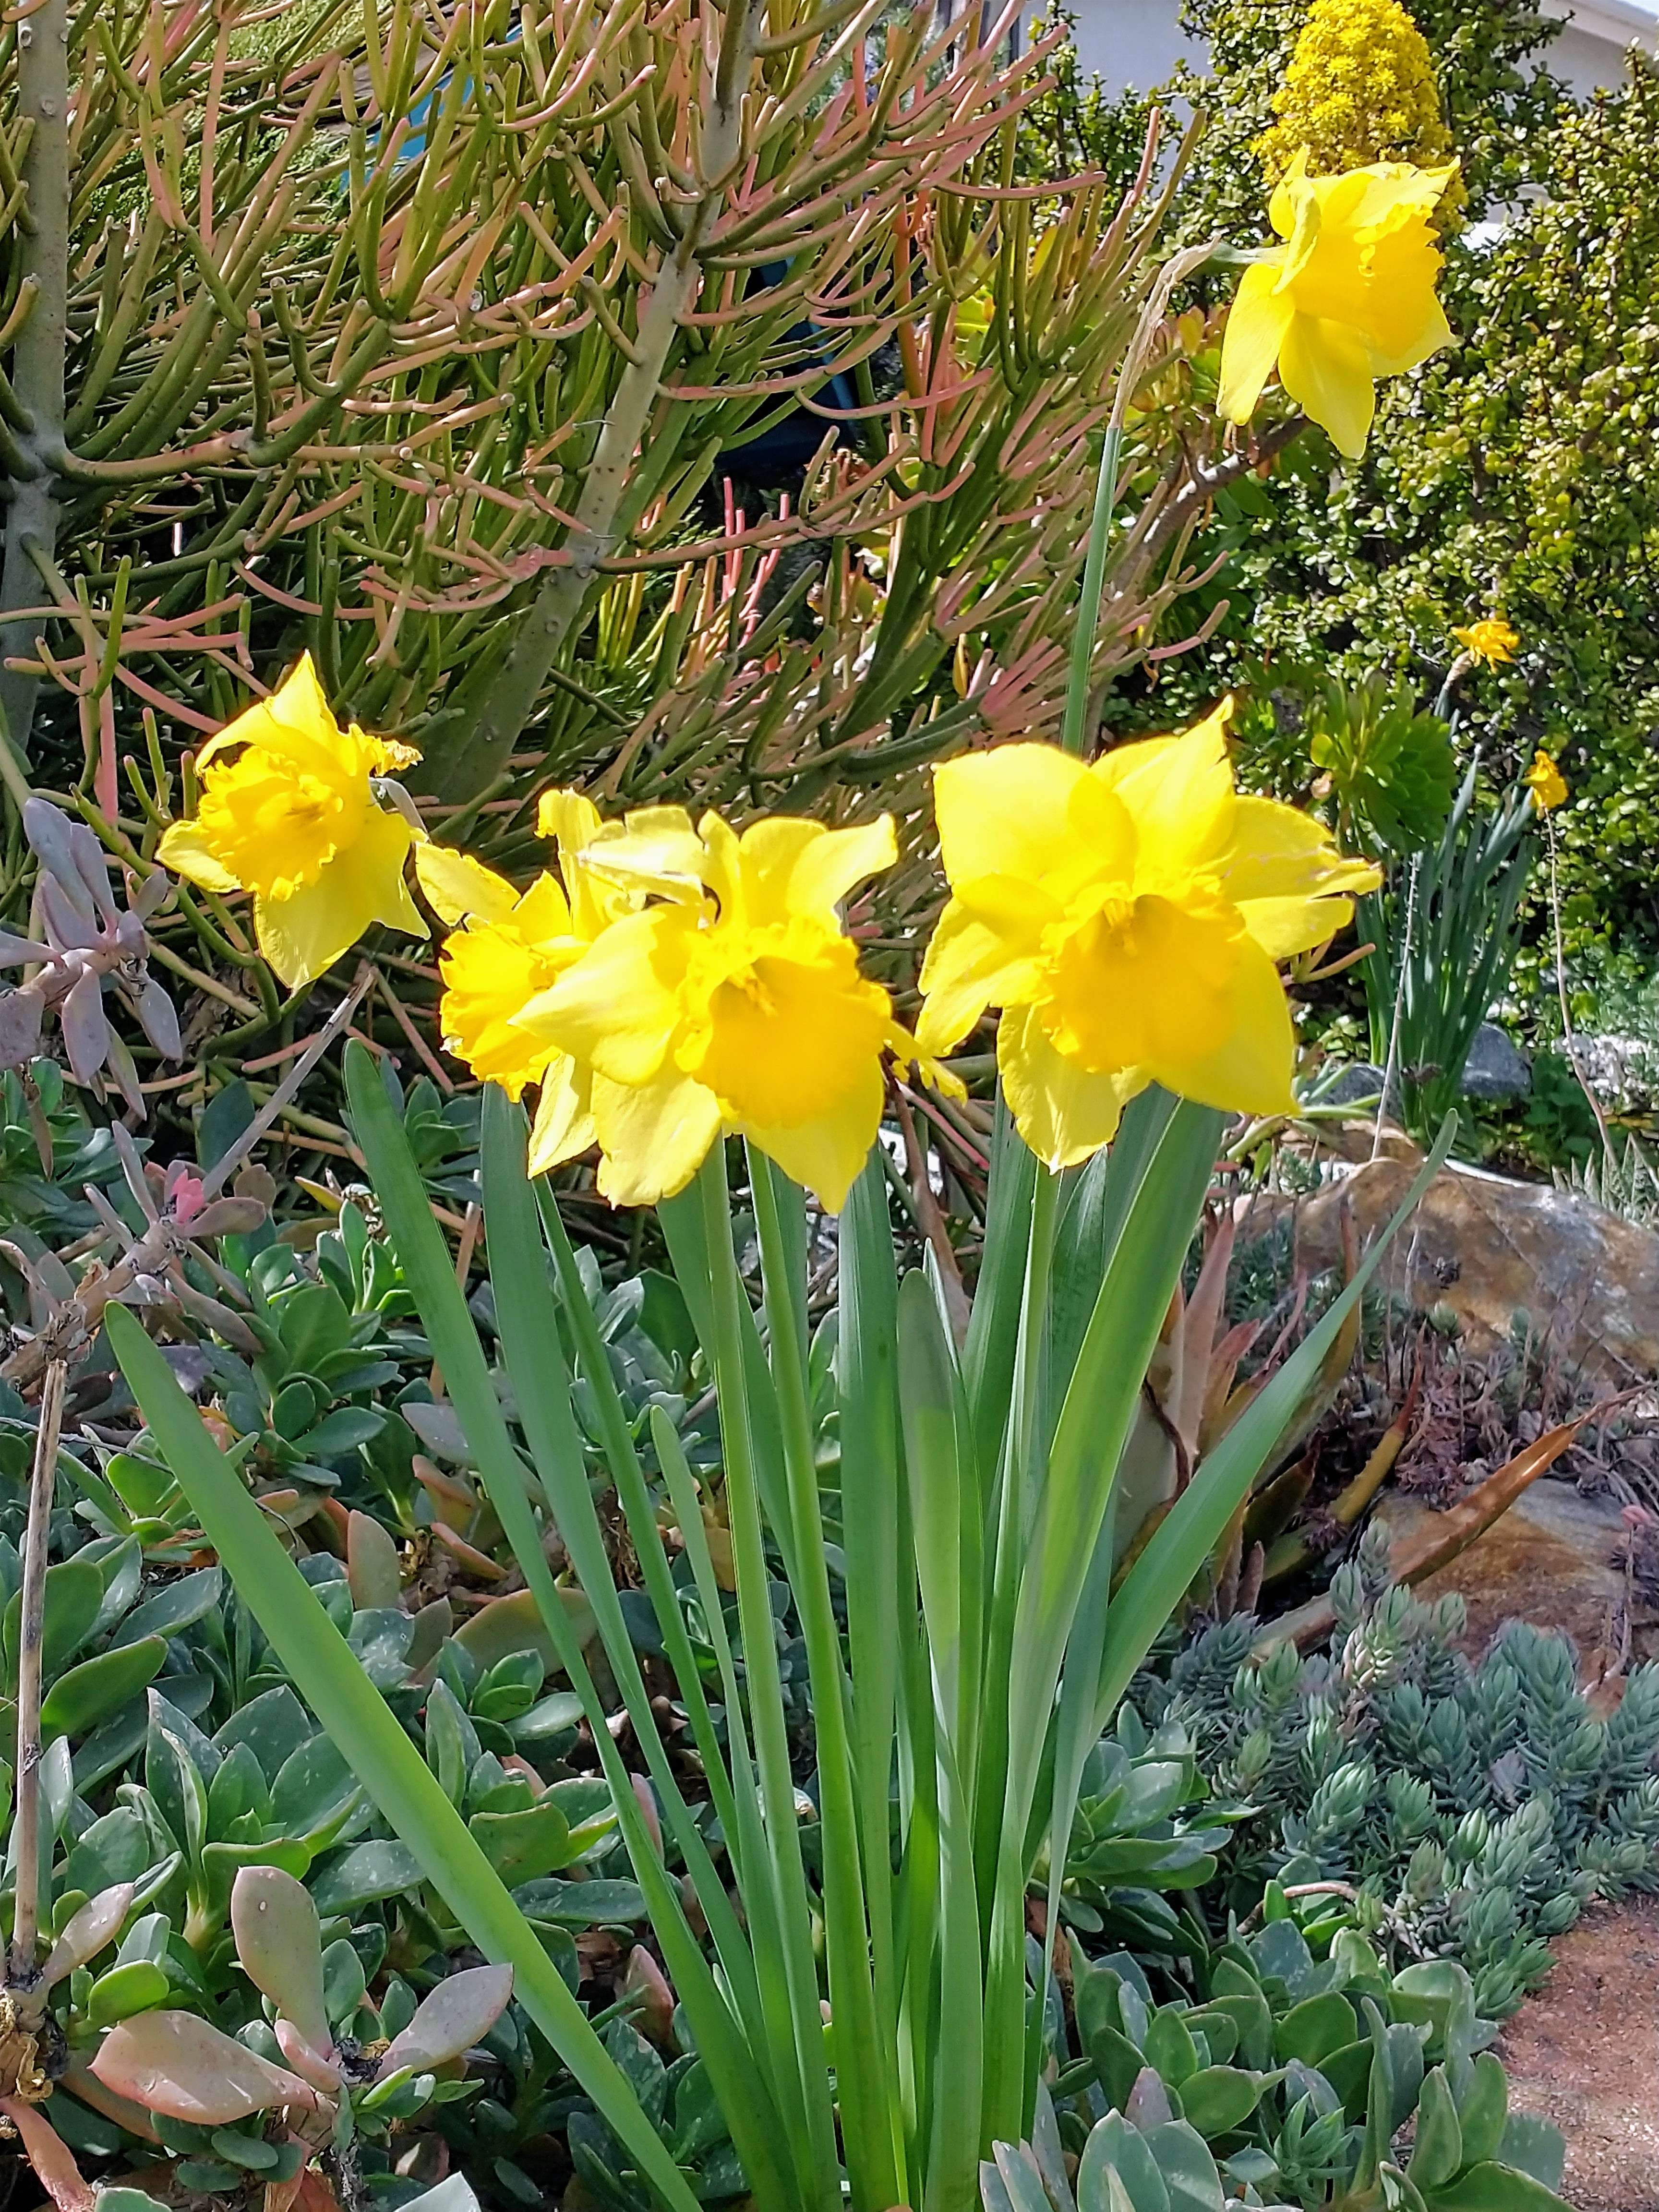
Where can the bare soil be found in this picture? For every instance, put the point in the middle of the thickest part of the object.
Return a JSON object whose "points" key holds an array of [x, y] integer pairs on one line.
{"points": [[1584, 2053]]}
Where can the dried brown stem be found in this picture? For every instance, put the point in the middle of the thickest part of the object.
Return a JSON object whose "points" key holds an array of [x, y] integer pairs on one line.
{"points": [[26, 1909]]}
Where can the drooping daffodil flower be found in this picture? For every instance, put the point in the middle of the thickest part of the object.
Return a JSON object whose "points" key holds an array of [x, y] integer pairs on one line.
{"points": [[289, 810], [1349, 297], [1125, 917], [1545, 782]]}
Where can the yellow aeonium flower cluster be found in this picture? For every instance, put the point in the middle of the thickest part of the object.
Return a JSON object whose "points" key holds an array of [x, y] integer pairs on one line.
{"points": [[1360, 89]]}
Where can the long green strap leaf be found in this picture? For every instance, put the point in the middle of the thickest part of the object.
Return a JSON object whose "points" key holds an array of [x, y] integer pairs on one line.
{"points": [[1190, 1531], [424, 1257], [868, 2119], [866, 1386], [329, 1676], [541, 1381], [727, 1310]]}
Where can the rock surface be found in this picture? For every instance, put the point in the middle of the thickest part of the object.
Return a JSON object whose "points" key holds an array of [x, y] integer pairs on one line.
{"points": [[1549, 1560], [1584, 2053], [1490, 1249], [1496, 1071]]}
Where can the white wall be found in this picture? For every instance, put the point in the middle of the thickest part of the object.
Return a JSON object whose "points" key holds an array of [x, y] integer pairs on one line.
{"points": [[1132, 42], [1138, 42]]}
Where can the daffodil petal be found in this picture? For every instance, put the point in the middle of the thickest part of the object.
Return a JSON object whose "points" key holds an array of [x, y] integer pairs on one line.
{"points": [[1256, 324], [826, 1153], [617, 1007], [831, 866], [1004, 812], [183, 850], [968, 967], [1326, 369], [1246, 1066], [1064, 1112], [563, 1127], [652, 1137], [456, 886]]}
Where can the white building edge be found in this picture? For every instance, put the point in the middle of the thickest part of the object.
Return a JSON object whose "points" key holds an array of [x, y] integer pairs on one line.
{"points": [[1139, 42]]}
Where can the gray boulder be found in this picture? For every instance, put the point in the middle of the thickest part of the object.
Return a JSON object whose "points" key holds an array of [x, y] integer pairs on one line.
{"points": [[1495, 1072]]}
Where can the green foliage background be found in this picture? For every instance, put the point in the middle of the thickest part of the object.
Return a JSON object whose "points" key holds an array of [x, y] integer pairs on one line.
{"points": [[1518, 473]]}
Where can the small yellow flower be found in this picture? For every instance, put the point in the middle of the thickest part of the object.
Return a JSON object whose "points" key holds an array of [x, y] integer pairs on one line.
{"points": [[1125, 917], [1350, 298], [295, 819], [1490, 640], [1545, 782], [733, 1001], [511, 948]]}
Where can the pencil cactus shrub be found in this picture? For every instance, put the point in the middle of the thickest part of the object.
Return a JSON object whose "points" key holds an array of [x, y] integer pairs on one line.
{"points": [[451, 385]]}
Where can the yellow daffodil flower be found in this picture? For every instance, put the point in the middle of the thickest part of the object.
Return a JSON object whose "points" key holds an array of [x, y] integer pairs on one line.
{"points": [[1490, 640], [511, 948], [295, 819], [1545, 782], [1350, 298], [733, 1001], [1125, 917]]}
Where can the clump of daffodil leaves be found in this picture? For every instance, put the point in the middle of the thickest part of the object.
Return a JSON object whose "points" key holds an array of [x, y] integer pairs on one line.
{"points": [[665, 982]]}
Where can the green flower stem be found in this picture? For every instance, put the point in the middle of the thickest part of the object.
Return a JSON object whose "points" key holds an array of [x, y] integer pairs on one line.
{"points": [[820, 2182], [869, 2124]]}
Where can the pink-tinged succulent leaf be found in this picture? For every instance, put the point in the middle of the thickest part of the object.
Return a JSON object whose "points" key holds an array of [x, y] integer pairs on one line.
{"points": [[85, 1032], [158, 1018], [372, 1566], [458, 2012], [150, 895], [49, 2156], [281, 1947], [225, 1216], [89, 1929], [51, 838], [67, 925], [645, 1981], [176, 2064], [306, 2061], [19, 1027], [122, 1068], [14, 950], [97, 2097]]}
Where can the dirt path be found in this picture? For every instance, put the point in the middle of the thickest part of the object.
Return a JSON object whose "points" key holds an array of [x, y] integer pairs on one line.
{"points": [[1584, 2053]]}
